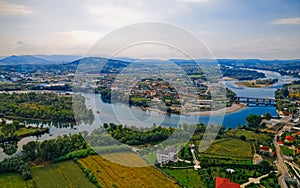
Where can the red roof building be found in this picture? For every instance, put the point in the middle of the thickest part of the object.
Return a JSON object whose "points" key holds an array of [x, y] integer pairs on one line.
{"points": [[289, 138], [264, 148], [280, 143], [225, 183]]}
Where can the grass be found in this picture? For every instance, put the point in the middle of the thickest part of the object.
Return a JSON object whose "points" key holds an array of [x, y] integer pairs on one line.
{"points": [[110, 174], [186, 177], [231, 148], [250, 135], [286, 151], [62, 174], [196, 76], [151, 157], [203, 177], [10, 180]]}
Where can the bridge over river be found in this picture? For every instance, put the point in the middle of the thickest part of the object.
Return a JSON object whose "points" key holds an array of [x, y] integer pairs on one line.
{"points": [[255, 100]]}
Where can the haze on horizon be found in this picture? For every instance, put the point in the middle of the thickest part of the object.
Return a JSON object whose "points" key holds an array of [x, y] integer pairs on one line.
{"points": [[238, 29]]}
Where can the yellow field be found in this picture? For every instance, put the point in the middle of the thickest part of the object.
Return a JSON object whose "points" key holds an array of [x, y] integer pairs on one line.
{"points": [[110, 174]]}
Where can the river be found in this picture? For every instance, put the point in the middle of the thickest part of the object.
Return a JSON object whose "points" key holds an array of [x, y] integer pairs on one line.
{"points": [[137, 117]]}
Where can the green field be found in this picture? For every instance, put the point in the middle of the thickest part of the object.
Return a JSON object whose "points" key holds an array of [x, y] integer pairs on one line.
{"points": [[286, 151], [235, 148], [186, 177], [10, 180], [250, 135], [62, 174]]}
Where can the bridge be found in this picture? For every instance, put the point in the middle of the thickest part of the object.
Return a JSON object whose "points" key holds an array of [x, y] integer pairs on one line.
{"points": [[255, 100]]}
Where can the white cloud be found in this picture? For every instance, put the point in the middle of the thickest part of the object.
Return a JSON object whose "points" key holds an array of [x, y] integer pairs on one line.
{"points": [[290, 21], [112, 16], [10, 8], [77, 36]]}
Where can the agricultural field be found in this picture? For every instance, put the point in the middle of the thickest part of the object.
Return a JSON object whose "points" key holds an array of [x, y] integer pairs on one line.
{"points": [[250, 135], [186, 177], [10, 180], [62, 174], [109, 174], [235, 148]]}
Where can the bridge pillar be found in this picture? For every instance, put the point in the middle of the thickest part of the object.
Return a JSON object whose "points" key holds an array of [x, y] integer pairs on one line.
{"points": [[238, 100]]}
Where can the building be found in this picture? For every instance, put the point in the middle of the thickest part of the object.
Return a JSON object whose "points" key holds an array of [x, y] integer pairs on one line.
{"points": [[169, 154], [266, 150], [298, 150], [289, 139], [225, 183], [280, 143]]}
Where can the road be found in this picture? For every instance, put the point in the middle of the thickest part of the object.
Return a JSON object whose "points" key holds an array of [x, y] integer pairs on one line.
{"points": [[253, 180], [282, 168]]}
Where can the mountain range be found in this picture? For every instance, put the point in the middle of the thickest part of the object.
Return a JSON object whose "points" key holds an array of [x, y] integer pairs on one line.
{"points": [[38, 59]]}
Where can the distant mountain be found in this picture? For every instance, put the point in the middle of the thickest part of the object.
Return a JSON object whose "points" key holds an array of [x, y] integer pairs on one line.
{"points": [[38, 59], [59, 58], [96, 64], [254, 62], [23, 59]]}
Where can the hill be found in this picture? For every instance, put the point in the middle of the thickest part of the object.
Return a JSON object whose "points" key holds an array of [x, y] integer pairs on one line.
{"points": [[24, 59]]}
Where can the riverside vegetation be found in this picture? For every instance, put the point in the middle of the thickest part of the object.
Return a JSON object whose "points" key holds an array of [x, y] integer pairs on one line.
{"points": [[33, 160]]}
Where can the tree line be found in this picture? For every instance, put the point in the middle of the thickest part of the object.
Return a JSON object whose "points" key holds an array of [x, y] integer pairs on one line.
{"points": [[44, 106], [42, 151]]}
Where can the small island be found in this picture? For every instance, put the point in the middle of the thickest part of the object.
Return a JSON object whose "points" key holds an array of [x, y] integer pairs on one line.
{"points": [[16, 130], [257, 83]]}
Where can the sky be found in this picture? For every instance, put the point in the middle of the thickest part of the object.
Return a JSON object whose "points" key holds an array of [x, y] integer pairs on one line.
{"points": [[263, 29]]}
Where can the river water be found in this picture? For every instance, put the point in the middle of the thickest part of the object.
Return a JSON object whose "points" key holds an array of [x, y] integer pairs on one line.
{"points": [[122, 114]]}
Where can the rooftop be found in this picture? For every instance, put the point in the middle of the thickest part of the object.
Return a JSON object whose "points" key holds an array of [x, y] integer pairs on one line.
{"points": [[225, 183]]}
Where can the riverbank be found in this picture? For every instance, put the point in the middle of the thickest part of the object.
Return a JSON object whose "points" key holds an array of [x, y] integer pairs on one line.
{"points": [[227, 110], [252, 84]]}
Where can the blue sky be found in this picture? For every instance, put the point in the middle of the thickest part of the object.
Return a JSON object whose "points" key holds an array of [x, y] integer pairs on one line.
{"points": [[265, 29]]}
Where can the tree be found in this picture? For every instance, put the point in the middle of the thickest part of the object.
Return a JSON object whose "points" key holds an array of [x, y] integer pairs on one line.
{"points": [[9, 147], [30, 150], [268, 116], [26, 172], [243, 137], [253, 120], [8, 130]]}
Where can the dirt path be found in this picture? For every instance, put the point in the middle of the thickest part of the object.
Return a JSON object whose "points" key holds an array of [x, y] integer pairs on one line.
{"points": [[253, 180]]}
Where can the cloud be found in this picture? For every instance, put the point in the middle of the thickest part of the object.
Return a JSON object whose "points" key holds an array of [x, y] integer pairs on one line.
{"points": [[112, 16], [20, 43], [77, 36], [10, 8], [290, 21]]}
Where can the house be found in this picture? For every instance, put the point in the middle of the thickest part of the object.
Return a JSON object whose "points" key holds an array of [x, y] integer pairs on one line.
{"points": [[266, 150], [280, 143], [169, 154], [289, 139], [225, 183], [298, 150]]}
